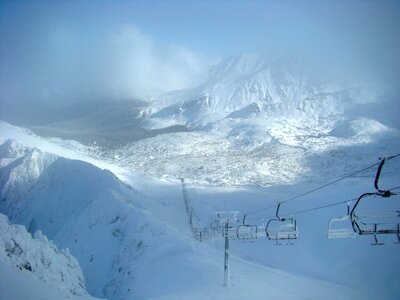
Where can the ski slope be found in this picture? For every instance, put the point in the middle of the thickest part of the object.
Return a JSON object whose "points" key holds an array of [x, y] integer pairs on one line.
{"points": [[132, 237]]}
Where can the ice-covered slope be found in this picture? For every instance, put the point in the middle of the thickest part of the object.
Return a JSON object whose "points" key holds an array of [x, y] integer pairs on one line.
{"points": [[134, 246], [39, 262]]}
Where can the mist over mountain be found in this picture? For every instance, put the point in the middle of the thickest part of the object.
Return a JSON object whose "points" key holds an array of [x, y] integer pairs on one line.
{"points": [[257, 118], [147, 139], [255, 86]]}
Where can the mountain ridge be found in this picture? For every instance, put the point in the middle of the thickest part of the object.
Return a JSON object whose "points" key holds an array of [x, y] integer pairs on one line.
{"points": [[280, 88]]}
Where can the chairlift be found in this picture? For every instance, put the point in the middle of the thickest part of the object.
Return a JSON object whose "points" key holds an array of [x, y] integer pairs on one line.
{"points": [[217, 226], [214, 224], [375, 222], [205, 234], [275, 230], [386, 193], [230, 232], [336, 230], [246, 231], [223, 218]]}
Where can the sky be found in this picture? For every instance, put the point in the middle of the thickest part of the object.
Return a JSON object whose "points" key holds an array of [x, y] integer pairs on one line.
{"points": [[57, 52]]}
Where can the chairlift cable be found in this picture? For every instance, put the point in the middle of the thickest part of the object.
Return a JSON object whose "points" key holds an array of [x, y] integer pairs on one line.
{"points": [[393, 156], [321, 207], [334, 204], [318, 207], [324, 206], [330, 183], [325, 185]]}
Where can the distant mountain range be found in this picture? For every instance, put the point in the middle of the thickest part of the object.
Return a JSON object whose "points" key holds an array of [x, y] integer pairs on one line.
{"points": [[254, 120], [253, 87]]}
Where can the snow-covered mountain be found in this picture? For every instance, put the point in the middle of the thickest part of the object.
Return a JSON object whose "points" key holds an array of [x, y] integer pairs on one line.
{"points": [[257, 132], [134, 243], [261, 121], [255, 120], [249, 87]]}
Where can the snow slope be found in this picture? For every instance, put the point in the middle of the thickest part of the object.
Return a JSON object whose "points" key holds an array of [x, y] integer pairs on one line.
{"points": [[34, 268], [135, 242], [286, 153], [19, 285], [71, 195]]}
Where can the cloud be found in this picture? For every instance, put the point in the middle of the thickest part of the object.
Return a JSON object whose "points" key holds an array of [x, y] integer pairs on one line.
{"points": [[66, 63], [64, 51], [141, 67]]}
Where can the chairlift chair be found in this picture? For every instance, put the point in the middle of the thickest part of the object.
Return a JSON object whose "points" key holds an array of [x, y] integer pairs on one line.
{"points": [[230, 232], [336, 231], [287, 231], [246, 231], [375, 222], [225, 216], [216, 226], [261, 231], [205, 234]]}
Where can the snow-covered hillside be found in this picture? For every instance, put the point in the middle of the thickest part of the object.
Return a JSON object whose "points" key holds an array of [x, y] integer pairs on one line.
{"points": [[254, 87], [259, 132], [61, 197], [257, 121], [44, 270], [136, 243]]}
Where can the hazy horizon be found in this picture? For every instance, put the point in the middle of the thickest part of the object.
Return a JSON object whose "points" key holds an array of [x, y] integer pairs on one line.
{"points": [[57, 53]]}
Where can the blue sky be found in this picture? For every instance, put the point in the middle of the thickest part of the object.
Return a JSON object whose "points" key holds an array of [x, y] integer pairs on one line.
{"points": [[222, 27], [131, 48]]}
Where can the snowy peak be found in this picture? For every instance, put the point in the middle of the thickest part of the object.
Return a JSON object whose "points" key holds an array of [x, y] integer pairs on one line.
{"points": [[20, 169], [280, 88], [234, 66], [247, 65]]}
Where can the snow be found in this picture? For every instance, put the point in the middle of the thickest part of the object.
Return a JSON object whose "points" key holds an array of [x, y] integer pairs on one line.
{"points": [[257, 121], [17, 285], [71, 195], [249, 85], [37, 265], [359, 127], [252, 114], [134, 241], [261, 132]]}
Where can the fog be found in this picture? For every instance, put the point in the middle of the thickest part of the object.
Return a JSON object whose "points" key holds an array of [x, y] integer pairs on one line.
{"points": [[57, 53], [53, 59]]}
